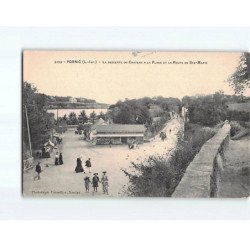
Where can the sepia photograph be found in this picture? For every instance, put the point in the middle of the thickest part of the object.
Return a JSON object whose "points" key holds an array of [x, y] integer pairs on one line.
{"points": [[101, 124], [125, 125]]}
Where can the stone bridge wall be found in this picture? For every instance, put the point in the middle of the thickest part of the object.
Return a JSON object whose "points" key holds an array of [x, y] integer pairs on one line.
{"points": [[203, 173]]}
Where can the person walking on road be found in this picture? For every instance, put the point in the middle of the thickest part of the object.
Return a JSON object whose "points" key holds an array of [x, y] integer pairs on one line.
{"points": [[60, 159], [105, 182], [56, 158], [88, 164], [38, 171], [79, 167], [95, 181], [86, 183]]}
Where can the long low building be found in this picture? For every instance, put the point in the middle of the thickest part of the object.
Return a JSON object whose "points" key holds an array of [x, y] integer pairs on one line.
{"points": [[117, 133]]}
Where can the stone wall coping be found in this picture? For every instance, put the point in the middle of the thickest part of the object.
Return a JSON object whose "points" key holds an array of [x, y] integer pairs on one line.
{"points": [[196, 181]]}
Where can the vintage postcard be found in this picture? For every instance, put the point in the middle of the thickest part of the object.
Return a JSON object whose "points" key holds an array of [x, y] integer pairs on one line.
{"points": [[102, 124]]}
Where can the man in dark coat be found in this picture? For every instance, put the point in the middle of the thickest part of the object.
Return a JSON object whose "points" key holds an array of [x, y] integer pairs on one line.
{"points": [[38, 171], [88, 164]]}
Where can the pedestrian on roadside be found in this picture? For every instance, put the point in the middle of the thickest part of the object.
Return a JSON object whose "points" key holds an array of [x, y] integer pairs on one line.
{"points": [[56, 158], [95, 181], [38, 171], [60, 159], [86, 183], [105, 182], [110, 143], [88, 164], [79, 167]]}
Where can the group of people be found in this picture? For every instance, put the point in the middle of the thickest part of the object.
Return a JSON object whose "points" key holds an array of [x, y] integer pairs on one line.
{"points": [[58, 140], [133, 145], [58, 159], [163, 135], [79, 168], [95, 181]]}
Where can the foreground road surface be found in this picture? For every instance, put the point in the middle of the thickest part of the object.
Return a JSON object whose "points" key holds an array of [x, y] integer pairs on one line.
{"points": [[62, 180]]}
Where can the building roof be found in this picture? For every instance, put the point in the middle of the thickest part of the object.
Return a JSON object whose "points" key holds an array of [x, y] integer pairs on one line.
{"points": [[120, 128], [97, 123]]}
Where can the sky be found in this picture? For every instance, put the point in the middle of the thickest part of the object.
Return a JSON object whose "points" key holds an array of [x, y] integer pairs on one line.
{"points": [[109, 76]]}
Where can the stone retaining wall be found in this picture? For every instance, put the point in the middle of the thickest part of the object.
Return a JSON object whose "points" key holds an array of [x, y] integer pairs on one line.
{"points": [[202, 175]]}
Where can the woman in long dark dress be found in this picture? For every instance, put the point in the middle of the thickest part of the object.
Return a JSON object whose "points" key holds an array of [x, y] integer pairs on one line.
{"points": [[79, 167], [60, 159], [56, 158]]}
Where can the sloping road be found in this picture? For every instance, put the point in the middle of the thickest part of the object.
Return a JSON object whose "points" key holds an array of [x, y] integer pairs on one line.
{"points": [[62, 180]]}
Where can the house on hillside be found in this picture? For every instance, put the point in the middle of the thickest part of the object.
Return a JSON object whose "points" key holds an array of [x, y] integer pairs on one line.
{"points": [[117, 134], [72, 100]]}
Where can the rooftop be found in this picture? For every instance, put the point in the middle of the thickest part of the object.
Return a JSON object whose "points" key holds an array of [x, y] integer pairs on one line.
{"points": [[120, 128]]}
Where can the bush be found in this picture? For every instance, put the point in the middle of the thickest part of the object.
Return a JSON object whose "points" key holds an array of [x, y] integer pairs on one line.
{"points": [[234, 115], [235, 128], [157, 126], [159, 176]]}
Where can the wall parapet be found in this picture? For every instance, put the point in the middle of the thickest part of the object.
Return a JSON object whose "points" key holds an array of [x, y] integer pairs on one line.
{"points": [[202, 175]]}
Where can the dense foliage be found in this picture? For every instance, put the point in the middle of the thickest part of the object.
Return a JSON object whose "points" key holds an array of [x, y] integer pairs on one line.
{"points": [[73, 119], [239, 80], [62, 99], [40, 122], [158, 176], [141, 111], [152, 112], [209, 110]]}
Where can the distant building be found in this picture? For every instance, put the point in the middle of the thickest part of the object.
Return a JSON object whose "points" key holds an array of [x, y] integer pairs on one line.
{"points": [[72, 100], [184, 112], [52, 99], [117, 133], [81, 99]]}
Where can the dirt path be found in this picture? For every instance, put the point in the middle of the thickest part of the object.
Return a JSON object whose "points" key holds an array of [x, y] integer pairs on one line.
{"points": [[62, 180]]}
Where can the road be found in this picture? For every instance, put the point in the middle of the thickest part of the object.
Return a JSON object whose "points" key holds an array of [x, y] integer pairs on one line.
{"points": [[62, 180]]}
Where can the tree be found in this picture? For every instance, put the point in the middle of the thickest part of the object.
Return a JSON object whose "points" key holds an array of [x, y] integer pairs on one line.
{"points": [[73, 118], [219, 97], [82, 118], [40, 122], [206, 110], [124, 116], [239, 80], [102, 115], [93, 116]]}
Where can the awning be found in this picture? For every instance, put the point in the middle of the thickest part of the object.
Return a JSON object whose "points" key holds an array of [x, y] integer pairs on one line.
{"points": [[118, 135], [49, 143]]}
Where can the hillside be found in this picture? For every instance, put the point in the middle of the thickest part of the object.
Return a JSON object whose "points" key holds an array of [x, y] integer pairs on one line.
{"points": [[239, 106], [65, 102]]}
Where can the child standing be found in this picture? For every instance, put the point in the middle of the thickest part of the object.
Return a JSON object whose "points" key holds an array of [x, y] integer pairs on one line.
{"points": [[38, 171], [86, 183], [105, 182], [95, 181]]}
